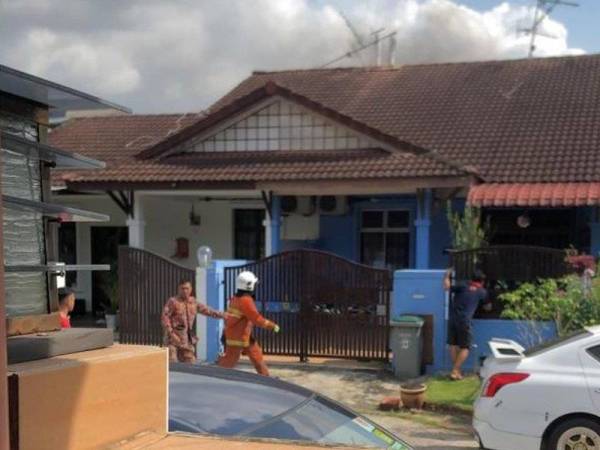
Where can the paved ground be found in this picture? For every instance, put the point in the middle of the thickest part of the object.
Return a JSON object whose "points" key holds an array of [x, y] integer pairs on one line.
{"points": [[363, 389]]}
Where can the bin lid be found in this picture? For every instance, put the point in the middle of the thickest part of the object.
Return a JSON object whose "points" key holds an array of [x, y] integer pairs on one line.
{"points": [[407, 320]]}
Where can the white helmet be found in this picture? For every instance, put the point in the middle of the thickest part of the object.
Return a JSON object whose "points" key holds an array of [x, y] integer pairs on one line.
{"points": [[246, 281]]}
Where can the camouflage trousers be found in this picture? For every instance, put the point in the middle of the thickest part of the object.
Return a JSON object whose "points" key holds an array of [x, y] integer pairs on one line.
{"points": [[181, 354]]}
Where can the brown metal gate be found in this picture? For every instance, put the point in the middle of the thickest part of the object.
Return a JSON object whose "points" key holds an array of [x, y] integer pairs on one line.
{"points": [[325, 305], [146, 281]]}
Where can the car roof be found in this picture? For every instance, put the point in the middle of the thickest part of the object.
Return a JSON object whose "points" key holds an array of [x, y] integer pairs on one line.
{"points": [[239, 375]]}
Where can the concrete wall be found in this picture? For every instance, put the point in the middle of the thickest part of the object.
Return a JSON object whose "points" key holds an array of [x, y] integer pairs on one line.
{"points": [[167, 218], [420, 292]]}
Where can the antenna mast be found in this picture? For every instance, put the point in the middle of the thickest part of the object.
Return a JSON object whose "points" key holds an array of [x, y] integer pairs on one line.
{"points": [[543, 8]]}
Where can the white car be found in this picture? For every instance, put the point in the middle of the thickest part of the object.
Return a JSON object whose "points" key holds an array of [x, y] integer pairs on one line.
{"points": [[545, 398]]}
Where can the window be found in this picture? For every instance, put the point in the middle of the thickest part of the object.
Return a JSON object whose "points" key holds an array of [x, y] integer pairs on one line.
{"points": [[557, 342], [385, 239], [249, 234], [594, 352]]}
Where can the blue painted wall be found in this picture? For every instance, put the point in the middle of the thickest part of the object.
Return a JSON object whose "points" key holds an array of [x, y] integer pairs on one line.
{"points": [[341, 234], [421, 292], [440, 233], [338, 235]]}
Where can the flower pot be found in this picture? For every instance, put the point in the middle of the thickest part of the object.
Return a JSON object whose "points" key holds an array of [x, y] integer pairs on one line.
{"points": [[111, 321], [413, 395]]}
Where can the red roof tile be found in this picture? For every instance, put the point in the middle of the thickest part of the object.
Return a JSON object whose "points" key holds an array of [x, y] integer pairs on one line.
{"points": [[535, 194]]}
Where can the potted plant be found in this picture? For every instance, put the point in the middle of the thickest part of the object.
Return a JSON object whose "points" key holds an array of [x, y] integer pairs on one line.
{"points": [[111, 289], [413, 395]]}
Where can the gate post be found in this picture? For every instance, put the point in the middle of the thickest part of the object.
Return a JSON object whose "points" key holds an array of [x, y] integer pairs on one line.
{"points": [[201, 322]]}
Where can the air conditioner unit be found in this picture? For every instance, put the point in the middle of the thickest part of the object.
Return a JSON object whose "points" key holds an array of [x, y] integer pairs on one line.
{"points": [[301, 205], [333, 205]]}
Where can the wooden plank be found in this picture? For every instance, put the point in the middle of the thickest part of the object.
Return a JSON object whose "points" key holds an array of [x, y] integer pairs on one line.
{"points": [[39, 323]]}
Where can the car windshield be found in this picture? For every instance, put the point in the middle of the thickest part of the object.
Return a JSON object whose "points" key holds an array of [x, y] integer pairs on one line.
{"points": [[211, 404], [553, 343], [229, 402], [319, 420]]}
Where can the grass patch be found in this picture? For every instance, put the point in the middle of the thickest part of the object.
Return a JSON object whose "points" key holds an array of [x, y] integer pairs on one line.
{"points": [[458, 395]]}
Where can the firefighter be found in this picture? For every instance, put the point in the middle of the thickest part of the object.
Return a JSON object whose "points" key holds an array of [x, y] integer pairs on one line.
{"points": [[242, 315], [178, 316]]}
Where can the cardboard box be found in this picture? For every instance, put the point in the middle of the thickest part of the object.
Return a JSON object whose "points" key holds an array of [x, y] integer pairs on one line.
{"points": [[89, 400]]}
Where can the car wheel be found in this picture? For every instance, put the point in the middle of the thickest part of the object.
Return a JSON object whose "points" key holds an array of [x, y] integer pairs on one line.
{"points": [[575, 434]]}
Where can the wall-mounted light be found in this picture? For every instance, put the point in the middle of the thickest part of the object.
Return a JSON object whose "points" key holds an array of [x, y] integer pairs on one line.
{"points": [[524, 221], [204, 255]]}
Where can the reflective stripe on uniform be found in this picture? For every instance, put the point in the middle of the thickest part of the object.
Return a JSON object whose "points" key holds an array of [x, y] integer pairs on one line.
{"points": [[234, 343], [235, 312]]}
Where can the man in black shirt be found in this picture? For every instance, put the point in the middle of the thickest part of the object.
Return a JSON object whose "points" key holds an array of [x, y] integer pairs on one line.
{"points": [[464, 301]]}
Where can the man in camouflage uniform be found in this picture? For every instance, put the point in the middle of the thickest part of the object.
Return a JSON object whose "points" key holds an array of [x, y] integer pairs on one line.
{"points": [[178, 318]]}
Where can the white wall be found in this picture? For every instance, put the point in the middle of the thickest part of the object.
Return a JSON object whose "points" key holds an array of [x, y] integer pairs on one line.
{"points": [[167, 218]]}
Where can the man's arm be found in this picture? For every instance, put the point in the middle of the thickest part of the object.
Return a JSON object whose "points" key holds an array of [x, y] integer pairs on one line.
{"points": [[448, 279], [486, 301], [208, 311], [249, 310]]}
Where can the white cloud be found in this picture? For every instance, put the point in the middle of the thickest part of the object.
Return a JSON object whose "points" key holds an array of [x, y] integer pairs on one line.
{"points": [[183, 54]]}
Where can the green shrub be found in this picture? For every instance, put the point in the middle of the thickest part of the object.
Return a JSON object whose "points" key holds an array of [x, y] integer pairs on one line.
{"points": [[562, 301], [467, 229]]}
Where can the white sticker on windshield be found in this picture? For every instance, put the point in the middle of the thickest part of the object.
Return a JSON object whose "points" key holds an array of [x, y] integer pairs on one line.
{"points": [[363, 424]]}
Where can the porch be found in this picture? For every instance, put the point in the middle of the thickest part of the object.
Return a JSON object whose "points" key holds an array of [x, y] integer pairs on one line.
{"points": [[393, 231]]}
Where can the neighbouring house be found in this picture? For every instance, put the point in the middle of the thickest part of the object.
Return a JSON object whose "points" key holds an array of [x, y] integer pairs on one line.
{"points": [[356, 161], [83, 379]]}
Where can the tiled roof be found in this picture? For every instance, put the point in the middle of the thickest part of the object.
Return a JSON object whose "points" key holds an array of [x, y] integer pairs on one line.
{"points": [[115, 139], [533, 120], [516, 121], [535, 194], [272, 166]]}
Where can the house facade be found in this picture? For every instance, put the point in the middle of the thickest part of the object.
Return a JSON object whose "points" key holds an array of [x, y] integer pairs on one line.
{"points": [[360, 162]]}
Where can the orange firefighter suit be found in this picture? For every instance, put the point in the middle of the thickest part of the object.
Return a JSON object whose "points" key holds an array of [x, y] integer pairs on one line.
{"points": [[242, 316]]}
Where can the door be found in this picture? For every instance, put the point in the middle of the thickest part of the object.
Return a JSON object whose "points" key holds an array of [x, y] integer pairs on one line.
{"points": [[105, 250]]}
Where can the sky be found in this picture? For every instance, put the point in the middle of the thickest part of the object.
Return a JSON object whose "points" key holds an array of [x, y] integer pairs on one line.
{"points": [[158, 56]]}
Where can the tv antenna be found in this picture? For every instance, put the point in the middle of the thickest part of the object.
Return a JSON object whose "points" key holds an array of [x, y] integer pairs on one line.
{"points": [[543, 8], [362, 42]]}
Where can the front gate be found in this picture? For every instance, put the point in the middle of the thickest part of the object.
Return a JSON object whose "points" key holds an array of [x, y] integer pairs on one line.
{"points": [[146, 281], [326, 306]]}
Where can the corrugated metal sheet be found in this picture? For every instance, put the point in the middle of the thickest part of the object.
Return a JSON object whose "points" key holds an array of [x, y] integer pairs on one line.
{"points": [[26, 293]]}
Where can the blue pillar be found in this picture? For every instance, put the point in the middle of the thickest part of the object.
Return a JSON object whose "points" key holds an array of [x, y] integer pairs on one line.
{"points": [[275, 225], [422, 227]]}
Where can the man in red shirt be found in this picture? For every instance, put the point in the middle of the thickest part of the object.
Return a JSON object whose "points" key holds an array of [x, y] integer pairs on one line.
{"points": [[66, 304], [178, 318]]}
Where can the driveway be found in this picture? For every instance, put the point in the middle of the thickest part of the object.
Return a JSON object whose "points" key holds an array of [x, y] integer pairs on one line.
{"points": [[362, 390]]}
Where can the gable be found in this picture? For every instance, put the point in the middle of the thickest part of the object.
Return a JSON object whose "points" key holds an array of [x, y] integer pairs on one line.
{"points": [[280, 125]]}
